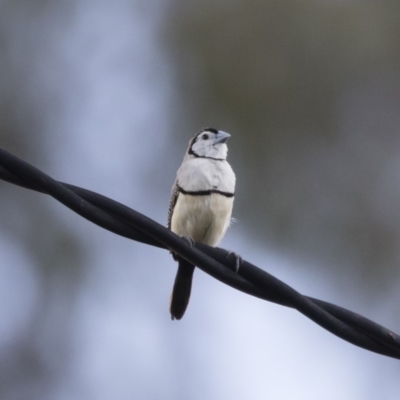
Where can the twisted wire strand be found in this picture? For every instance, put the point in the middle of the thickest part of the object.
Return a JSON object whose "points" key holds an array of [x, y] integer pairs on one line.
{"points": [[217, 262]]}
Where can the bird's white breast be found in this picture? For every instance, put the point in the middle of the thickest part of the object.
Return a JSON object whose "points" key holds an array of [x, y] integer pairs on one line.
{"points": [[204, 218], [205, 174]]}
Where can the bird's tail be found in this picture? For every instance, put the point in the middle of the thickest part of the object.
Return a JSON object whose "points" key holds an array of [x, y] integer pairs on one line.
{"points": [[181, 291]]}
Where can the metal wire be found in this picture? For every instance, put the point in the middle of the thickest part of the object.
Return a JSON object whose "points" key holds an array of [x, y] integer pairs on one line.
{"points": [[216, 262]]}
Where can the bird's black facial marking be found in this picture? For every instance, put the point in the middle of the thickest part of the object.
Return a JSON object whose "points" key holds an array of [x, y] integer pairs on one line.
{"points": [[201, 145], [212, 130]]}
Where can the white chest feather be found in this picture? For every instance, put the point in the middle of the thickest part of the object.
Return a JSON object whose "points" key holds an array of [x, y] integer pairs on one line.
{"points": [[205, 174], [203, 218]]}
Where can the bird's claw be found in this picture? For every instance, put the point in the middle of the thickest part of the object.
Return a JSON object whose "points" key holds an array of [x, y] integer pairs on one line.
{"points": [[238, 260], [189, 240]]}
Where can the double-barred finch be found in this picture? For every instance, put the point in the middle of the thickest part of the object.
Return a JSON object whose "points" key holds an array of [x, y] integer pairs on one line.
{"points": [[201, 204]]}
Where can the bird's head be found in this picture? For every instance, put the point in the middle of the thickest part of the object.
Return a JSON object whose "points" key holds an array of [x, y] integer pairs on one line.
{"points": [[209, 143]]}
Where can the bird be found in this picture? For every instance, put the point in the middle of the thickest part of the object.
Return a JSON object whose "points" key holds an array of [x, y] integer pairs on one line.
{"points": [[201, 204]]}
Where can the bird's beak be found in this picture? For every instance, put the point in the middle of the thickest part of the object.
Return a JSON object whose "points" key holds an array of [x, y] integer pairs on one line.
{"points": [[221, 137]]}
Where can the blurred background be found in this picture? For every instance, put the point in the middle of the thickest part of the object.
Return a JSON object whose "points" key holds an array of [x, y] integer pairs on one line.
{"points": [[106, 95]]}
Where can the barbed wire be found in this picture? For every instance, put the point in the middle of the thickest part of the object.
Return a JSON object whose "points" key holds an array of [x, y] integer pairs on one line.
{"points": [[217, 262]]}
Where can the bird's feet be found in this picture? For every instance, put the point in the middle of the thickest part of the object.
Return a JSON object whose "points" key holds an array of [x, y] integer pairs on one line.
{"points": [[189, 240], [238, 260]]}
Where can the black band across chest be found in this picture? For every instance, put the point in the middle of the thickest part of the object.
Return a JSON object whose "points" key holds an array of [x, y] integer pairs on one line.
{"points": [[194, 154], [204, 192]]}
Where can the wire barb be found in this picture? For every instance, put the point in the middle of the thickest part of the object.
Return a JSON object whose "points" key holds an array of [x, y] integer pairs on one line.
{"points": [[249, 279]]}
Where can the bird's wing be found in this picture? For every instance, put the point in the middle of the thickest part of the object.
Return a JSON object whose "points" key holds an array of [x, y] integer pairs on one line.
{"points": [[172, 203]]}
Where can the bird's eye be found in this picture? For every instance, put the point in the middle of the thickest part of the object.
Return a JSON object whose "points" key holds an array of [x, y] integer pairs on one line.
{"points": [[205, 136]]}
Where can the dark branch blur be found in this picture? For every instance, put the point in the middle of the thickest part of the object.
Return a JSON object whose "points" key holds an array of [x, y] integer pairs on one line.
{"points": [[310, 91]]}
